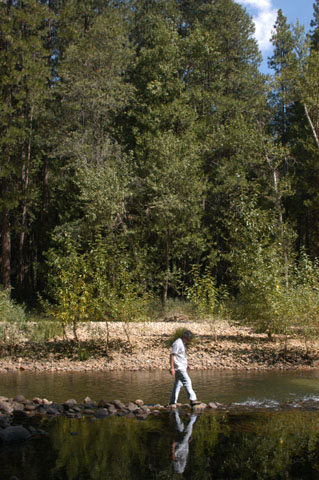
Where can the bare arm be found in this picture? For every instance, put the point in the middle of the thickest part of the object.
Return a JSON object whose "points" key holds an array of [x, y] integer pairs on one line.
{"points": [[173, 451], [171, 364]]}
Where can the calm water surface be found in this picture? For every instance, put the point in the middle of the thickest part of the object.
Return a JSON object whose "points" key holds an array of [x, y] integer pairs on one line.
{"points": [[248, 446], [154, 387], [258, 444]]}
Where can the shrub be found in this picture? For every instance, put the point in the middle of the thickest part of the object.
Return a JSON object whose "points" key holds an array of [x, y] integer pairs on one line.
{"points": [[203, 294], [9, 310], [99, 285], [271, 306], [44, 330], [13, 326]]}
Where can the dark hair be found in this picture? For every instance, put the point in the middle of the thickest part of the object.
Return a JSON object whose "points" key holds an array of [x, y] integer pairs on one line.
{"points": [[188, 334]]}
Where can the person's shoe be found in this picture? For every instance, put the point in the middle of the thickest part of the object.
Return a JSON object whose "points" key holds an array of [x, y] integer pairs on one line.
{"points": [[195, 402]]}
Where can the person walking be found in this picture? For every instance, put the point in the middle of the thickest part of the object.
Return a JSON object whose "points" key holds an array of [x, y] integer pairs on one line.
{"points": [[178, 369]]}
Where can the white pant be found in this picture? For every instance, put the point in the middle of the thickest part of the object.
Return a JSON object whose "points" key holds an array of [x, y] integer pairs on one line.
{"points": [[182, 380], [182, 447]]}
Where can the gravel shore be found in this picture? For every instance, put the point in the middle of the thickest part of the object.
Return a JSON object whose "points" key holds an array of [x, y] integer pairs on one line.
{"points": [[144, 346]]}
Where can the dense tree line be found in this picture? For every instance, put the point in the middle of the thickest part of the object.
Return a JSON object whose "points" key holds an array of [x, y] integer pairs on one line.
{"points": [[143, 131]]}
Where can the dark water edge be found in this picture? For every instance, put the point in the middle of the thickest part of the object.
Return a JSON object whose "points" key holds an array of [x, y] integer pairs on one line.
{"points": [[225, 445]]}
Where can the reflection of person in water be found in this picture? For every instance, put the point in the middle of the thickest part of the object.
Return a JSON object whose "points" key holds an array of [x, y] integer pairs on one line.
{"points": [[180, 449]]}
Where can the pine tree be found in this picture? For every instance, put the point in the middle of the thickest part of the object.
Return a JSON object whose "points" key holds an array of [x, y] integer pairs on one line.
{"points": [[92, 90], [314, 24], [168, 189], [24, 88], [228, 94], [280, 99]]}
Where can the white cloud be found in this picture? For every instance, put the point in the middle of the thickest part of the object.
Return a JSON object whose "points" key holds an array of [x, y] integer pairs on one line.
{"points": [[264, 15]]}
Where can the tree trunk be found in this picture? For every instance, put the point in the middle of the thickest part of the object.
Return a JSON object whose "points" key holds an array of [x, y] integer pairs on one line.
{"points": [[278, 205], [26, 159], [45, 192], [313, 129], [167, 269], [281, 225], [6, 249]]}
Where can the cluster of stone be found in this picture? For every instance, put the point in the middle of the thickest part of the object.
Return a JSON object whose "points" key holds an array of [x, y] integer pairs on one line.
{"points": [[18, 410]]}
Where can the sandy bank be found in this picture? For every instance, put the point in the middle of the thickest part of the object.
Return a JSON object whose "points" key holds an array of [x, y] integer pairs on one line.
{"points": [[220, 346]]}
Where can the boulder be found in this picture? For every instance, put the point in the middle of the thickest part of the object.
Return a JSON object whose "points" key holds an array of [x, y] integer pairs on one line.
{"points": [[5, 407], [118, 404], [37, 400], [103, 403], [88, 411], [212, 405], [132, 407], [16, 434], [52, 411], [41, 410], [57, 406], [199, 408], [70, 414], [17, 405], [19, 399], [77, 409], [139, 402], [101, 413], [112, 409], [141, 416], [90, 404], [70, 403], [145, 409], [4, 421], [20, 415]]}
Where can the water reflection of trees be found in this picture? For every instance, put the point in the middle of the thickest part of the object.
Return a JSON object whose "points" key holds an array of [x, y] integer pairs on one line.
{"points": [[261, 446], [245, 446]]}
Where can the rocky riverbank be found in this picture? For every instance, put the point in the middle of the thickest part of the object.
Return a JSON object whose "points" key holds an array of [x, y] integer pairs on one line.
{"points": [[144, 346]]}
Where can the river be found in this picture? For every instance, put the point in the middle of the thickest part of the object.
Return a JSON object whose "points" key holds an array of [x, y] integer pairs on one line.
{"points": [[154, 387], [257, 442]]}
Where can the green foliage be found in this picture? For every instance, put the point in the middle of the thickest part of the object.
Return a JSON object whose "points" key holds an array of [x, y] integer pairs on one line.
{"points": [[203, 294], [43, 330], [303, 297], [69, 287], [147, 123], [13, 325], [274, 297], [261, 270], [96, 285], [10, 311], [84, 354]]}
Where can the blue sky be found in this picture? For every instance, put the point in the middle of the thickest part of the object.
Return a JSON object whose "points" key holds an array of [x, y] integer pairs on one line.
{"points": [[264, 13]]}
